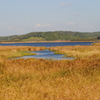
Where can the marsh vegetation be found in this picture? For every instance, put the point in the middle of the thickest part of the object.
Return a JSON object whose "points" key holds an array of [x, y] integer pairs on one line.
{"points": [[41, 79]]}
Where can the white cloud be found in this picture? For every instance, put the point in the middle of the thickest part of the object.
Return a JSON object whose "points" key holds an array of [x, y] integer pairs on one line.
{"points": [[70, 23], [66, 3], [37, 25], [42, 25]]}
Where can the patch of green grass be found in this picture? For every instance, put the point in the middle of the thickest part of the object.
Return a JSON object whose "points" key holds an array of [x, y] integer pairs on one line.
{"points": [[21, 53], [12, 54]]}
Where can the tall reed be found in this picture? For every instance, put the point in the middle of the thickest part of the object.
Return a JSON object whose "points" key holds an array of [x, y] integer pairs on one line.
{"points": [[77, 51]]}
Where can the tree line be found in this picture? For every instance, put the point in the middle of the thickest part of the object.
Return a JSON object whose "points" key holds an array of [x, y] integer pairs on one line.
{"points": [[52, 36]]}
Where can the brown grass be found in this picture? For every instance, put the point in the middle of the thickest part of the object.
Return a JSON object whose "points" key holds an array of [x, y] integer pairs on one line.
{"points": [[21, 48], [78, 51], [41, 79], [98, 43], [17, 51]]}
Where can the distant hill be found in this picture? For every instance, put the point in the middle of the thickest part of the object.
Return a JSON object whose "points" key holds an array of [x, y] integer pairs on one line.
{"points": [[52, 36]]}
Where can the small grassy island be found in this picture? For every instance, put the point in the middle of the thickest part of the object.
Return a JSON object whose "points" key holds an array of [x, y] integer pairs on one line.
{"points": [[42, 79]]}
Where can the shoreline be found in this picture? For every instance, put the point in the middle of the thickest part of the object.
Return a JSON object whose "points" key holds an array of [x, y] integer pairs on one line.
{"points": [[46, 41]]}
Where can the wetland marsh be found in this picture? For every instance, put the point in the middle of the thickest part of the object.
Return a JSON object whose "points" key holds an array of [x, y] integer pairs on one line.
{"points": [[47, 79]]}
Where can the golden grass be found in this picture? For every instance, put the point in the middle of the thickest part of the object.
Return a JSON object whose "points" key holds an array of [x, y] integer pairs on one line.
{"points": [[21, 48], [96, 43], [41, 79], [17, 51], [78, 51]]}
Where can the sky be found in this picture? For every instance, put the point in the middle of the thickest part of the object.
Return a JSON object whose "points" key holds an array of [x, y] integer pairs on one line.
{"points": [[19, 17]]}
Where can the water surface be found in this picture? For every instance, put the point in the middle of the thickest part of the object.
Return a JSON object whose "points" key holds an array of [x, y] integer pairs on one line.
{"points": [[46, 54], [48, 44]]}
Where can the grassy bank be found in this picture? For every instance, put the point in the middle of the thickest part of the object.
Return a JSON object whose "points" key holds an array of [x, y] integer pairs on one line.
{"points": [[41, 79], [78, 51], [45, 41], [17, 51]]}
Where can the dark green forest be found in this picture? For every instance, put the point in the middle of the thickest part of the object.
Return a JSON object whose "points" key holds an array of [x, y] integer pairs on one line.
{"points": [[52, 36]]}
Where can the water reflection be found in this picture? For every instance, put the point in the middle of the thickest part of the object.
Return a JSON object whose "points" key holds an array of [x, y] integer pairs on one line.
{"points": [[46, 54]]}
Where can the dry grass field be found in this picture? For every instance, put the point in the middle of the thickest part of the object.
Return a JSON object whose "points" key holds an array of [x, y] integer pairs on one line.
{"points": [[78, 51], [41, 79], [17, 51]]}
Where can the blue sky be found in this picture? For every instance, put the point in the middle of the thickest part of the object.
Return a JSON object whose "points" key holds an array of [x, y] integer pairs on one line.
{"points": [[23, 16]]}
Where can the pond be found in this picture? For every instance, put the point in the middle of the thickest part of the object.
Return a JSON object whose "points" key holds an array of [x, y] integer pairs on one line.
{"points": [[46, 54]]}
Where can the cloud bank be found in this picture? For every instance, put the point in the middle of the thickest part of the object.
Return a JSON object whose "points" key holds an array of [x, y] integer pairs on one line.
{"points": [[42, 25]]}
